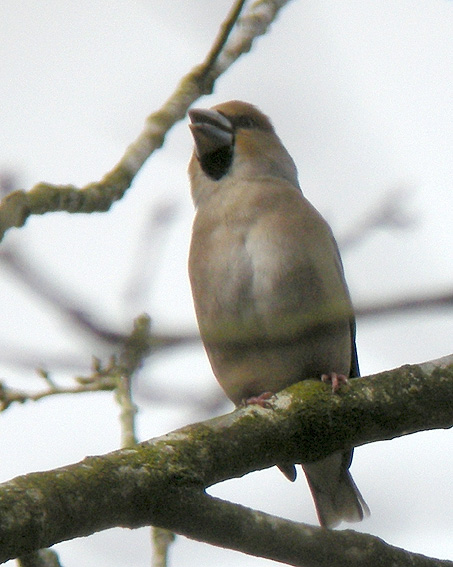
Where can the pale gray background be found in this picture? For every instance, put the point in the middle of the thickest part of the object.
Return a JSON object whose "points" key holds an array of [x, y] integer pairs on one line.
{"points": [[360, 91]]}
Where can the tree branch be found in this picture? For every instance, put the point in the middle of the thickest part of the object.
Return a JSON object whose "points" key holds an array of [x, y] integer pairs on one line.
{"points": [[161, 481], [392, 306], [116, 375], [99, 196], [256, 533]]}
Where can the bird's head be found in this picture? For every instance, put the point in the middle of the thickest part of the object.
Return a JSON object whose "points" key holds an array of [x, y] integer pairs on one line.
{"points": [[235, 139]]}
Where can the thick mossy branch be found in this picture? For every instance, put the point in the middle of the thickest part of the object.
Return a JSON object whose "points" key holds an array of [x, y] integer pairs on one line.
{"points": [[157, 481]]}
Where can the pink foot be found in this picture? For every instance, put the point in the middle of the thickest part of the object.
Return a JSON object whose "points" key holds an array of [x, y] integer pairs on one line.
{"points": [[335, 379], [261, 400]]}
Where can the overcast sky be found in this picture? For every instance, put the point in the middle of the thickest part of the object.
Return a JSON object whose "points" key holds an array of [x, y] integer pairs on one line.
{"points": [[361, 94]]}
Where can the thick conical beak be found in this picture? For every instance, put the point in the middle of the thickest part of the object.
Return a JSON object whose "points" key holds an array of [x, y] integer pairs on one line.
{"points": [[210, 130]]}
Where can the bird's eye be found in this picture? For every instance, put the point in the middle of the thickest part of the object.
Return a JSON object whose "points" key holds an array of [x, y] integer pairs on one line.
{"points": [[244, 122]]}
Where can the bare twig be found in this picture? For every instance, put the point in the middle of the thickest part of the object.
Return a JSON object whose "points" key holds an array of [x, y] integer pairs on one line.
{"points": [[101, 380], [116, 375]]}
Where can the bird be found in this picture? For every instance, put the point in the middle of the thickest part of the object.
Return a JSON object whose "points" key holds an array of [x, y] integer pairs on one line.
{"points": [[268, 285]]}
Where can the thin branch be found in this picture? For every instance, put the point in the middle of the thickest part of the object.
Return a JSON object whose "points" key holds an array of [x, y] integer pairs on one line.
{"points": [[40, 558], [135, 350], [149, 250], [100, 381], [23, 269], [131, 358], [161, 481], [99, 196], [388, 213], [115, 375], [222, 37], [391, 307], [161, 539], [262, 535]]}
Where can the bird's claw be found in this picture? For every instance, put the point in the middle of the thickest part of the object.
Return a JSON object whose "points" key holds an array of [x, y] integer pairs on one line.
{"points": [[262, 400], [337, 380]]}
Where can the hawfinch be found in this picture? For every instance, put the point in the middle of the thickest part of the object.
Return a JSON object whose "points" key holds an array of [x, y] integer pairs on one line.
{"points": [[266, 274]]}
